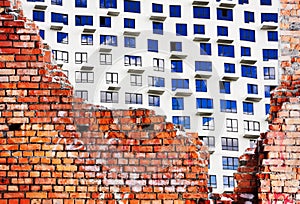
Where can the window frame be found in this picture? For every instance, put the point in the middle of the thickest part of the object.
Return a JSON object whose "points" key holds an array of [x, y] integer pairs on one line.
{"points": [[230, 144], [230, 163], [208, 123], [81, 79], [112, 78], [232, 125], [83, 57], [107, 59], [177, 103], [154, 100], [136, 80], [132, 60], [83, 94], [228, 106], [87, 39], [133, 98], [109, 97]]}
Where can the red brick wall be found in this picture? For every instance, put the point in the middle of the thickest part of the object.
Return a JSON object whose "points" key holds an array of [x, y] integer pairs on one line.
{"points": [[55, 149]]}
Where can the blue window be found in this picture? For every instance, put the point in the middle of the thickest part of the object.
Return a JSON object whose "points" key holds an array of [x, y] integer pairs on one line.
{"points": [[132, 6], [129, 42], [228, 106], [249, 16], [266, 2], [86, 39], [156, 81], [230, 163], [229, 68], [157, 8], [177, 103], [243, 1], [247, 35], [176, 46], [205, 49], [176, 66], [129, 23], [59, 18], [62, 38], [154, 100], [203, 66], [182, 120], [224, 87], [105, 21], [248, 108], [245, 51], [83, 20], [133, 98], [181, 29], [204, 103], [108, 40], [42, 34], [269, 17], [180, 84], [267, 107], [39, 16], [158, 28], [81, 3], [36, 0], [268, 90], [252, 89], [212, 181], [175, 11], [199, 29], [249, 71], [222, 31], [224, 14], [273, 36], [201, 12], [226, 50], [270, 54], [269, 73], [201, 85], [152, 45], [131, 60], [208, 123], [108, 3], [56, 2]]}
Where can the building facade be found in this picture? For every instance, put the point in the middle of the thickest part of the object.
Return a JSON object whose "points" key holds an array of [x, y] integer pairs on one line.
{"points": [[207, 65]]}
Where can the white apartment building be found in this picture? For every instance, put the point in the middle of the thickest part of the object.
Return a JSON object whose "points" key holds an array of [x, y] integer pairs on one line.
{"points": [[207, 65]]}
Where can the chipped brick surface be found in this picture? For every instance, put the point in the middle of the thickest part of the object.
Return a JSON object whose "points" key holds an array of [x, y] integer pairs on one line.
{"points": [[56, 149]]}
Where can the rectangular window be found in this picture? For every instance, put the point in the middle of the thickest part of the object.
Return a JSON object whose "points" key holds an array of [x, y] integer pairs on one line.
{"points": [[130, 60], [230, 163], [252, 89], [228, 106], [231, 144], [182, 120], [83, 20], [154, 100], [62, 38], [177, 103], [222, 31], [181, 29], [269, 17], [208, 140], [252, 143], [229, 68], [267, 107], [156, 81], [249, 16], [224, 87], [42, 34], [248, 108], [201, 85], [243, 1], [266, 2], [158, 28], [247, 35], [231, 125], [135, 80], [226, 50], [251, 125], [133, 98], [59, 18], [180, 84], [228, 181], [81, 94], [38, 16], [56, 2], [249, 71], [152, 45], [159, 64], [35, 0], [208, 123], [199, 29], [176, 66], [129, 23], [201, 12], [109, 97], [245, 51], [270, 54], [268, 90], [84, 77], [273, 36], [157, 8], [132, 6], [129, 42], [212, 181], [105, 59], [205, 49], [203, 66], [108, 3], [176, 46], [81, 3], [61, 55], [224, 14], [111, 78], [80, 57], [105, 21], [86, 39], [206, 103], [175, 11], [269, 73], [108, 40]]}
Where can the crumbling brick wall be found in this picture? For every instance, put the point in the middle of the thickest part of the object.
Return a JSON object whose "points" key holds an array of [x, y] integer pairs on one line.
{"points": [[55, 149]]}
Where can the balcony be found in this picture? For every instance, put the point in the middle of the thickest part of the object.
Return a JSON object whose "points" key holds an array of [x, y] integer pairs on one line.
{"points": [[201, 38], [224, 39], [113, 87], [88, 29], [269, 26], [105, 48], [177, 55], [131, 33], [156, 90], [56, 26], [135, 70], [183, 92], [211, 149], [40, 6], [113, 13], [157, 17], [251, 134], [253, 97], [248, 60], [230, 77], [227, 3], [200, 2], [204, 111], [87, 68], [203, 74]]}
